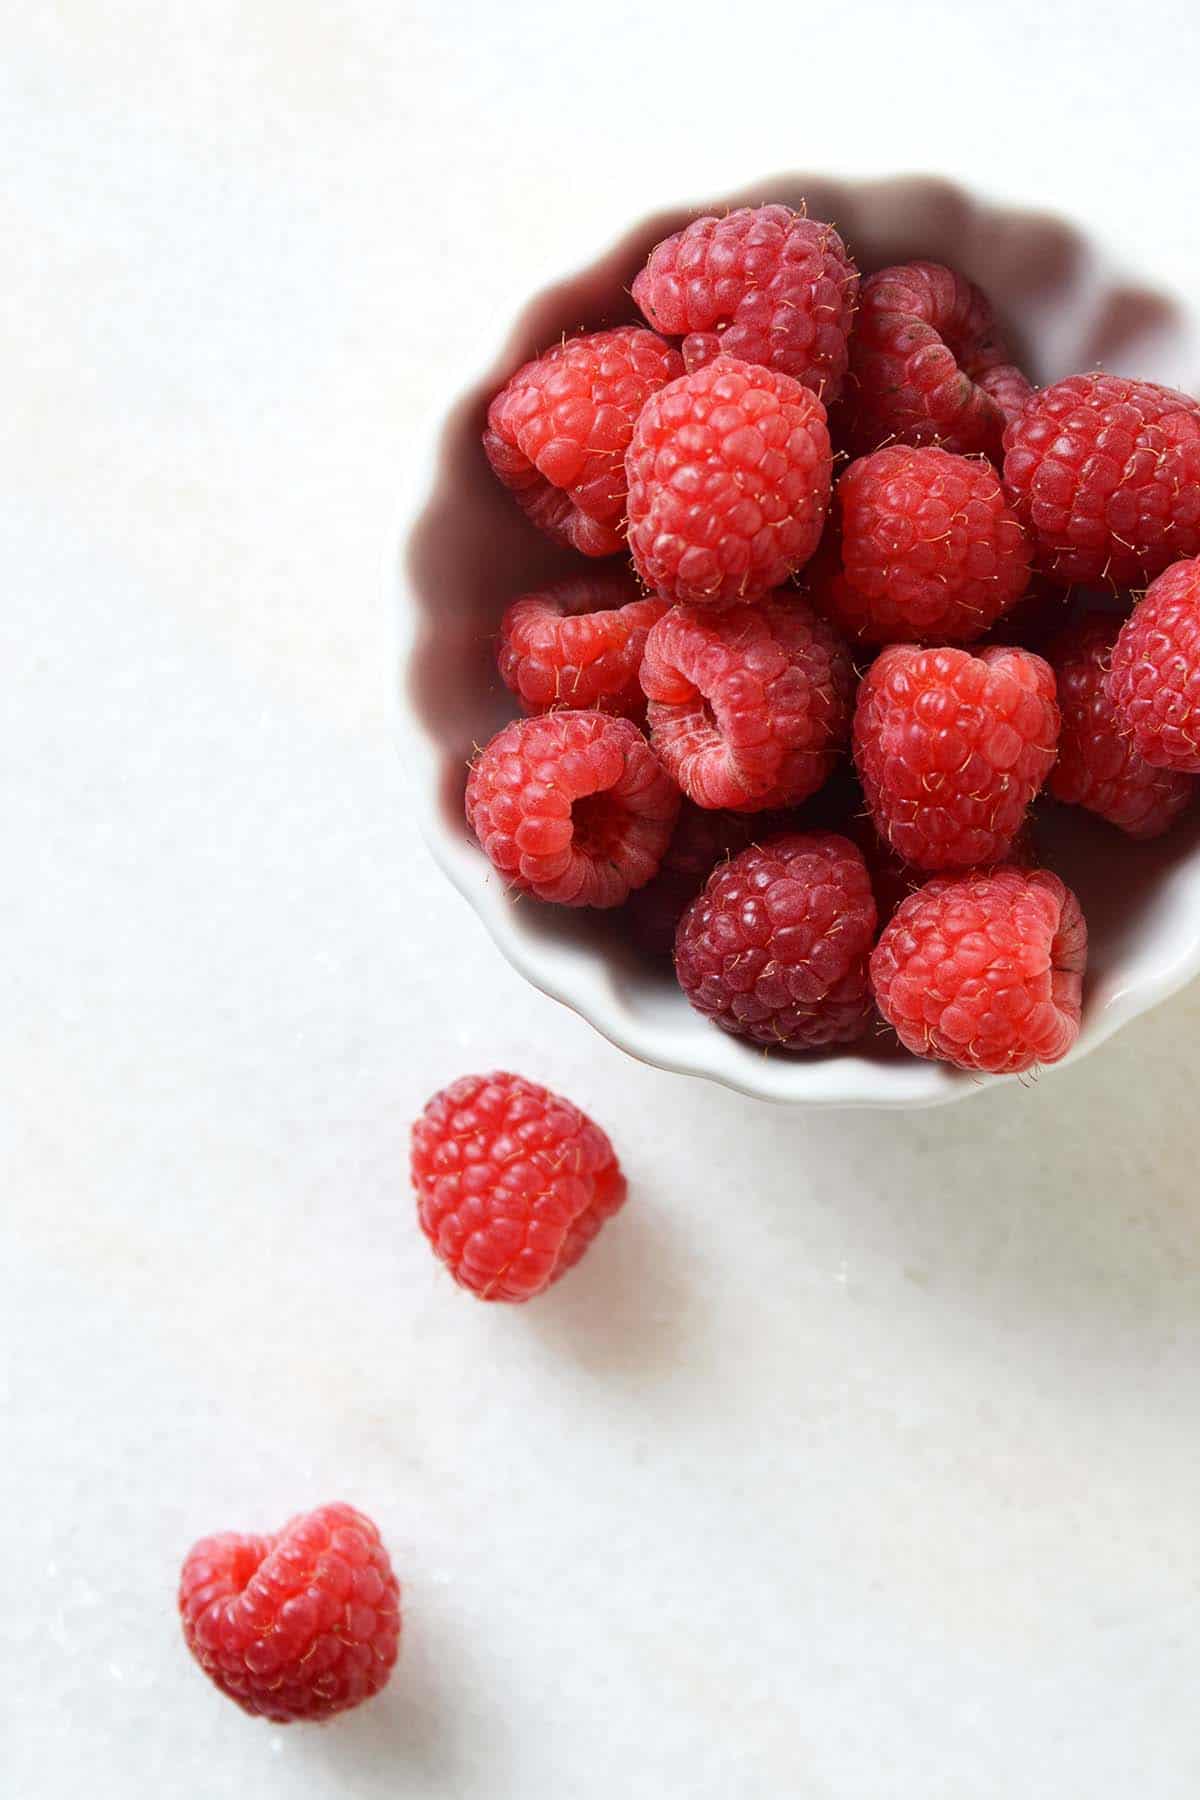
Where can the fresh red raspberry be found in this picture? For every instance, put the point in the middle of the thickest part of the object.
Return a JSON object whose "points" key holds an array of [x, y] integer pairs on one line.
{"points": [[579, 644], [1155, 681], [952, 747], [729, 472], [301, 1624], [930, 550], [764, 284], [513, 1183], [775, 948], [1105, 473], [984, 971], [747, 707], [572, 806], [701, 840], [1097, 765], [927, 365], [558, 432]]}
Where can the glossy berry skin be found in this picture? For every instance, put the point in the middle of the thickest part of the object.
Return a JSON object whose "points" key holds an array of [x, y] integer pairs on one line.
{"points": [[1097, 765], [573, 807], [984, 970], [775, 948], [1155, 681], [557, 432], [729, 472], [951, 748], [929, 550], [764, 284], [927, 364], [579, 644], [301, 1624], [1105, 473], [513, 1182], [748, 706]]}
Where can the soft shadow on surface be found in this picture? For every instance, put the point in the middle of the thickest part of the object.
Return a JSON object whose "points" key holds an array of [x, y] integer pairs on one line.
{"points": [[627, 1309]]}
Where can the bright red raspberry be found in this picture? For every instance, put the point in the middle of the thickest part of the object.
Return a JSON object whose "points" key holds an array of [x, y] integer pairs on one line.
{"points": [[927, 365], [701, 840], [775, 948], [513, 1183], [747, 707], [952, 747], [572, 806], [579, 643], [729, 472], [301, 1624], [930, 550], [984, 971], [1155, 681], [558, 432], [764, 284], [1097, 765], [1105, 472]]}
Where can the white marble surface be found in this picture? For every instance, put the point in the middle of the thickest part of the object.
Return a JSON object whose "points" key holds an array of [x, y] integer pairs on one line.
{"points": [[860, 1458]]}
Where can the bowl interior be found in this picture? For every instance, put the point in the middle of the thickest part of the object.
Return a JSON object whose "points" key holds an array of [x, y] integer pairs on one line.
{"points": [[1066, 308]]}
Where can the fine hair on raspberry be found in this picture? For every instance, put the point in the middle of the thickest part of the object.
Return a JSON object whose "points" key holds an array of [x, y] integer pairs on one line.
{"points": [[573, 807], [747, 706]]}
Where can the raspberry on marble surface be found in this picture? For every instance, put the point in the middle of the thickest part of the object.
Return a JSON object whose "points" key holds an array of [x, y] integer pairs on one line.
{"points": [[299, 1624], [513, 1182]]}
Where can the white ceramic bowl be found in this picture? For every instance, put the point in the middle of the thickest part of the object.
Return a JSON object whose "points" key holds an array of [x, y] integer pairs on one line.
{"points": [[468, 549]]}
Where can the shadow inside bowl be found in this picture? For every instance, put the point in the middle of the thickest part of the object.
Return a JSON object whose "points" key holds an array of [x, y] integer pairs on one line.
{"points": [[471, 550]]}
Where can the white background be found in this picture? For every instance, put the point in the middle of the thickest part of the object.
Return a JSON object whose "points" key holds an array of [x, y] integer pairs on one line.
{"points": [[860, 1458]]}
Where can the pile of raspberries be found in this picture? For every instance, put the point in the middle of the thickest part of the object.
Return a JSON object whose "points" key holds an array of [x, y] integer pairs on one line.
{"points": [[792, 725]]}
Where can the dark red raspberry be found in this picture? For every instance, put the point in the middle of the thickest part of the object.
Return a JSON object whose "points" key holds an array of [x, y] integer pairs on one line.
{"points": [[952, 747], [748, 706], [301, 1624], [1155, 680], [930, 550], [927, 365], [1097, 765], [764, 284], [513, 1183], [1105, 472], [985, 971], [775, 948], [729, 472], [579, 644], [558, 432], [701, 840], [572, 806]]}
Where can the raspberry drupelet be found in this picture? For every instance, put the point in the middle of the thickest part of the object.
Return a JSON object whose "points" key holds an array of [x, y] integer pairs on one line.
{"points": [[579, 644], [557, 432], [951, 748], [927, 549], [927, 364], [513, 1182], [729, 472], [775, 948], [748, 706], [1105, 473], [1098, 766], [301, 1624], [572, 807], [1155, 681], [984, 970], [764, 284]]}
